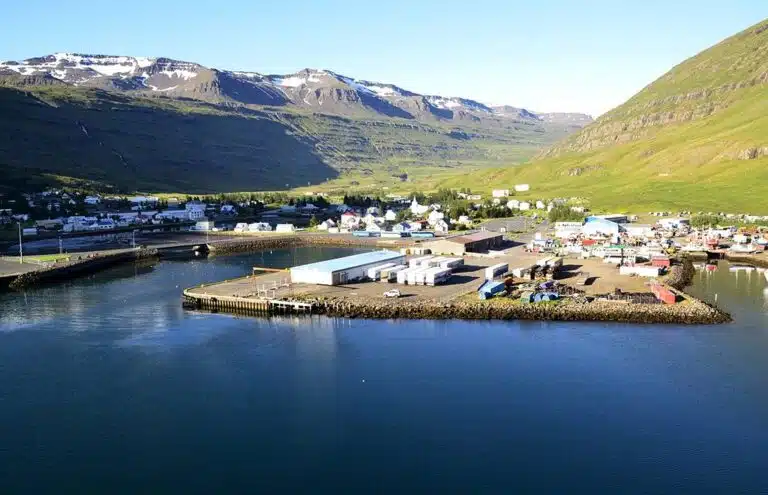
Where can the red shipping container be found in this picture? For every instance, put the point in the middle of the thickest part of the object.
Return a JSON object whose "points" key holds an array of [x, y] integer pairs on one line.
{"points": [[588, 242], [663, 294], [661, 261]]}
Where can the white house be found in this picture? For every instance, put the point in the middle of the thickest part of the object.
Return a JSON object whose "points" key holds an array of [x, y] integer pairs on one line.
{"points": [[500, 193], [418, 209], [371, 219], [415, 226], [390, 216], [513, 204], [441, 226], [372, 227], [434, 217], [373, 210], [524, 206], [464, 220], [578, 209], [401, 227], [241, 227], [92, 200], [285, 227], [349, 220], [195, 210], [326, 224], [522, 187], [540, 205]]}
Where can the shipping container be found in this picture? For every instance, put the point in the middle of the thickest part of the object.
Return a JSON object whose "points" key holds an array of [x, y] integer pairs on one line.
{"points": [[390, 274], [437, 276], [452, 263], [412, 274], [496, 271], [375, 272], [661, 261], [663, 294], [414, 262]]}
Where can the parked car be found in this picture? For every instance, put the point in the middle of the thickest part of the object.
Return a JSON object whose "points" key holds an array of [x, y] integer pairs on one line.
{"points": [[392, 293]]}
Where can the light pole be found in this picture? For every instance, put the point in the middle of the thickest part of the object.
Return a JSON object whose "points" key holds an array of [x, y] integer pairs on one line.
{"points": [[61, 246], [21, 250], [133, 238]]}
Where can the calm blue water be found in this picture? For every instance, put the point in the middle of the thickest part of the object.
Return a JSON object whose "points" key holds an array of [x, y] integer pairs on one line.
{"points": [[107, 385]]}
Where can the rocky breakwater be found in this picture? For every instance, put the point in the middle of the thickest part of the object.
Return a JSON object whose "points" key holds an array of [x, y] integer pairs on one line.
{"points": [[254, 244], [689, 312], [83, 266]]}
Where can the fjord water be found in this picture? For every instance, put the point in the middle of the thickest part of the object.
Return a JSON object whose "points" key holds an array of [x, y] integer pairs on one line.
{"points": [[107, 385]]}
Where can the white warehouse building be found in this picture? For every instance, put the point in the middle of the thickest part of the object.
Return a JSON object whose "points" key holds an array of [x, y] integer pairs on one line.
{"points": [[343, 270]]}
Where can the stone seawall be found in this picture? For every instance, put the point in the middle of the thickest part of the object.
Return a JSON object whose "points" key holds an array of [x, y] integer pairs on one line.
{"points": [[255, 244], [688, 313], [79, 268]]}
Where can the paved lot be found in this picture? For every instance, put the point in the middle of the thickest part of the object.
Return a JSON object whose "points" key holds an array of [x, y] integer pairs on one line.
{"points": [[605, 279], [14, 267]]}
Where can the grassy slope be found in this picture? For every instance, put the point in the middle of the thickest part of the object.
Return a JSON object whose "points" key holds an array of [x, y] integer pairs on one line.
{"points": [[681, 138], [165, 145]]}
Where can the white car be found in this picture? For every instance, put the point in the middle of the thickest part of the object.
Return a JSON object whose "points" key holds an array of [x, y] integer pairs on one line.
{"points": [[392, 293]]}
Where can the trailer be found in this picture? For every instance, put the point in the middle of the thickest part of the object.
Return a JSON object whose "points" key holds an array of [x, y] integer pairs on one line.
{"points": [[452, 263], [414, 262], [375, 272], [496, 271], [402, 276], [434, 262], [390, 274], [412, 274], [437, 276]]}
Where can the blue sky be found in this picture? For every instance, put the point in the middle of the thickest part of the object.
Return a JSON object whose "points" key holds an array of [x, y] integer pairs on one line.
{"points": [[546, 55]]}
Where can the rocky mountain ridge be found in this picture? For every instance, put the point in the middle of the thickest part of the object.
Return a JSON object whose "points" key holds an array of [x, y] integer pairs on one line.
{"points": [[317, 90]]}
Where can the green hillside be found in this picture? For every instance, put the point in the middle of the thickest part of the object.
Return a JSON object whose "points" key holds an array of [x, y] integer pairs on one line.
{"points": [[51, 132], [695, 138]]}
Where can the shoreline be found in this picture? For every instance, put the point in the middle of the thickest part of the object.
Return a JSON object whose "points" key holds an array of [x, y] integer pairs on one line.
{"points": [[690, 311]]}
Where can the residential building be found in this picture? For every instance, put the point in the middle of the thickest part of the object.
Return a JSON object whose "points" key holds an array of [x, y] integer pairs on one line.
{"points": [[285, 228], [390, 216], [500, 193], [349, 219], [522, 187], [92, 200], [441, 226], [513, 204], [525, 206]]}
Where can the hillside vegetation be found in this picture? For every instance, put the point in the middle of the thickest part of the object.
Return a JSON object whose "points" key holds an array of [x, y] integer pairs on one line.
{"points": [[695, 138]]}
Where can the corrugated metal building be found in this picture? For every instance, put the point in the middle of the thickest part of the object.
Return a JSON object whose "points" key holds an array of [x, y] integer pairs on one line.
{"points": [[471, 243], [343, 270]]}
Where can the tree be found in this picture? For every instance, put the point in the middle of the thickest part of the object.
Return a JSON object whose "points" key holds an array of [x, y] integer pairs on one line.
{"points": [[565, 214], [313, 222]]}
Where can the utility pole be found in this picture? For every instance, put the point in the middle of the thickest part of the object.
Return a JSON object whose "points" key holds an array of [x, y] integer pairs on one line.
{"points": [[21, 250], [61, 246], [133, 238]]}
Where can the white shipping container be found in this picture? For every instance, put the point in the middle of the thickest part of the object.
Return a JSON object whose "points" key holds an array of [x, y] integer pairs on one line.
{"points": [[411, 278], [452, 263], [417, 261], [437, 276], [390, 274], [640, 271], [521, 272], [420, 277], [374, 272], [496, 270], [402, 276]]}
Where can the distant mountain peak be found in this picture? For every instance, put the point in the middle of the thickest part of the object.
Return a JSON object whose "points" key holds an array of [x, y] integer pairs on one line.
{"points": [[317, 89]]}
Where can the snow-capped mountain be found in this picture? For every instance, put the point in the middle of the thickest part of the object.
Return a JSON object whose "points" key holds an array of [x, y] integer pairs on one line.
{"points": [[319, 90]]}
